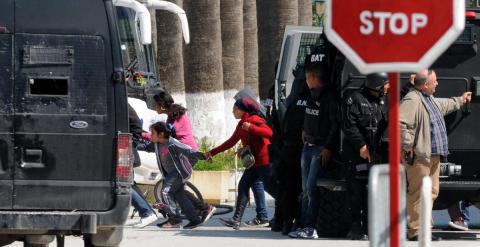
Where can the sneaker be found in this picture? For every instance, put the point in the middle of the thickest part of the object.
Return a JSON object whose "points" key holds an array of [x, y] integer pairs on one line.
{"points": [[230, 223], [131, 222], [415, 238], [207, 214], [170, 223], [458, 225], [308, 233], [256, 222], [294, 233], [193, 224], [146, 221], [356, 232]]}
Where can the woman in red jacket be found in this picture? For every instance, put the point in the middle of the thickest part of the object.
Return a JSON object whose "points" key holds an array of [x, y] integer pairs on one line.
{"points": [[253, 131]]}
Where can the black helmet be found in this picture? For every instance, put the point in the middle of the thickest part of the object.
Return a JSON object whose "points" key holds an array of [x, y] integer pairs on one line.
{"points": [[376, 81], [314, 59]]}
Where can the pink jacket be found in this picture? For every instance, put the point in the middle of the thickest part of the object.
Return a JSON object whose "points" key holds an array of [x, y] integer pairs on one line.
{"points": [[184, 131]]}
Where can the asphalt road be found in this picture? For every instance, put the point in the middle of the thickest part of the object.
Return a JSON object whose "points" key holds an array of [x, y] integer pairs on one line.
{"points": [[213, 234]]}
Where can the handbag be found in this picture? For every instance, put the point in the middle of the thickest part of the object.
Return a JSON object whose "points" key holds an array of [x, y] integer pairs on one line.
{"points": [[246, 154], [248, 160]]}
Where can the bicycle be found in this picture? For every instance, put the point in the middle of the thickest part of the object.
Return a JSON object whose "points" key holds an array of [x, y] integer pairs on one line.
{"points": [[193, 191]]}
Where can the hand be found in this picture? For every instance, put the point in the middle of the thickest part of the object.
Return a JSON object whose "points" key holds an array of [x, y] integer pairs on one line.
{"points": [[467, 97], [208, 157], [410, 154], [303, 136], [246, 126], [325, 155], [365, 154]]}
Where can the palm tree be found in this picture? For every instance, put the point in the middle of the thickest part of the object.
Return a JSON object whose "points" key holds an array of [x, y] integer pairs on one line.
{"points": [[250, 44], [266, 18], [203, 69], [287, 15], [170, 53], [231, 14], [305, 12], [273, 16]]}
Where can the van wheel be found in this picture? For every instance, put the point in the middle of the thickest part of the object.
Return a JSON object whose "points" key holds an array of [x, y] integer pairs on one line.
{"points": [[104, 238], [333, 214], [34, 245], [87, 242], [6, 240]]}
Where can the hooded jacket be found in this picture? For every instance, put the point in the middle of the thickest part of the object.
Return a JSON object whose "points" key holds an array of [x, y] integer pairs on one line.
{"points": [[257, 137]]}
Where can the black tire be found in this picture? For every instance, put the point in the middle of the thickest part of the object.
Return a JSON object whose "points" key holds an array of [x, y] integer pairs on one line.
{"points": [[334, 219], [87, 242], [25, 244], [189, 187], [222, 209]]}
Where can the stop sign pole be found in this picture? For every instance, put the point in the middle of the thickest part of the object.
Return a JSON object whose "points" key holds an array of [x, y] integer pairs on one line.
{"points": [[394, 157], [393, 36]]}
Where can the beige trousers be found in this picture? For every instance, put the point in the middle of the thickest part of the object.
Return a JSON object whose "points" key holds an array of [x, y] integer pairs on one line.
{"points": [[415, 174]]}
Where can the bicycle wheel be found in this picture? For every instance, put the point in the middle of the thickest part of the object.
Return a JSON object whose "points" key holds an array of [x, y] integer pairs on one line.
{"points": [[222, 209], [189, 187]]}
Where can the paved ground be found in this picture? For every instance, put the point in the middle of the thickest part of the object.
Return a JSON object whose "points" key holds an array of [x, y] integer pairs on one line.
{"points": [[213, 235]]}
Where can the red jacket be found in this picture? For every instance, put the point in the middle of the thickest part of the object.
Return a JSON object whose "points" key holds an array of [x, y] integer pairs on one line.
{"points": [[257, 137]]}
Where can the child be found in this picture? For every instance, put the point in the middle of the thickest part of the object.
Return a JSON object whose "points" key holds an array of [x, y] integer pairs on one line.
{"points": [[175, 161]]}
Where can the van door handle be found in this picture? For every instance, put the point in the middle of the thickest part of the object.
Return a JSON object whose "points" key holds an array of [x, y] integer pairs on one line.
{"points": [[32, 158]]}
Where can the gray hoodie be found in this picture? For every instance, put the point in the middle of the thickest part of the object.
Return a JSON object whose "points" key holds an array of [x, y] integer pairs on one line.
{"points": [[175, 156]]}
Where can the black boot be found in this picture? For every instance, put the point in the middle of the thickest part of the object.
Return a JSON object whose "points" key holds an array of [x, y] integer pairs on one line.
{"points": [[357, 232], [236, 220]]}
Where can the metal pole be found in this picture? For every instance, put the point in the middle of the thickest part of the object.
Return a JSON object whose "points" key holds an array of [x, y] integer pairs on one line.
{"points": [[235, 176], [394, 157], [425, 233]]}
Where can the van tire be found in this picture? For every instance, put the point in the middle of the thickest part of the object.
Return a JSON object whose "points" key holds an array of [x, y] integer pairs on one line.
{"points": [[104, 238], [25, 244], [6, 240], [333, 214]]}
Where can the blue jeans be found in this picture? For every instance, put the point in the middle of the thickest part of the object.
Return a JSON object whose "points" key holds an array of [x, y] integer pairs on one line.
{"points": [[259, 195], [311, 171], [249, 178], [460, 209], [140, 204]]}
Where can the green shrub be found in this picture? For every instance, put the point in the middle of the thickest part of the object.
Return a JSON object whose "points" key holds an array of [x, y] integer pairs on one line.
{"points": [[221, 162]]}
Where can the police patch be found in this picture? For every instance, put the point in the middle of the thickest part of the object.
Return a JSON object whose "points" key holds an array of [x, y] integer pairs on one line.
{"points": [[349, 101]]}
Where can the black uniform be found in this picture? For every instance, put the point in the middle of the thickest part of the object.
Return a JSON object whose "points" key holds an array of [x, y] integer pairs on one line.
{"points": [[321, 122], [291, 153], [364, 122]]}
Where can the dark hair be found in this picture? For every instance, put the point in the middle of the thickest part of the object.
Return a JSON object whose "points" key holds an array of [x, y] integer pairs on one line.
{"points": [[319, 71], [162, 127], [174, 111]]}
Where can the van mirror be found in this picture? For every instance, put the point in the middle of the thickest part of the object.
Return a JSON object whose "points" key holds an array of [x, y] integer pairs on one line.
{"points": [[143, 17], [173, 8]]}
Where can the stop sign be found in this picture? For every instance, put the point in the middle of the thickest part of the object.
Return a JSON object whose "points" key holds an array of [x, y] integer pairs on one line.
{"points": [[393, 35]]}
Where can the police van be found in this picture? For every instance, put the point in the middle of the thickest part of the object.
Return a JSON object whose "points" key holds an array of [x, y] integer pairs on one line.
{"points": [[66, 154], [457, 72]]}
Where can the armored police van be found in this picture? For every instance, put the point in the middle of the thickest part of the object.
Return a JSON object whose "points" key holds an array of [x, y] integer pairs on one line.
{"points": [[457, 72], [65, 151]]}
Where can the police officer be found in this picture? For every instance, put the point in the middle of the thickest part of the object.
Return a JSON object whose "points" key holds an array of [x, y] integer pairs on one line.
{"points": [[364, 122], [290, 181]]}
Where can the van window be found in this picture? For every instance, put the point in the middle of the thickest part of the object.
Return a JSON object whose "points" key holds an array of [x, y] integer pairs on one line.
{"points": [[48, 86]]}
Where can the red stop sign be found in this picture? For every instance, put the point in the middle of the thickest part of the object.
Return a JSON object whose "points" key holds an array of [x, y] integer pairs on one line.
{"points": [[393, 35]]}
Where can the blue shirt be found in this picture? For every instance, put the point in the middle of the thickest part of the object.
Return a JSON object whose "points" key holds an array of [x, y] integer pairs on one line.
{"points": [[438, 131]]}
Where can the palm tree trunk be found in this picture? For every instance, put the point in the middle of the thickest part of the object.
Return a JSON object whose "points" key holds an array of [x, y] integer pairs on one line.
{"points": [[305, 12], [266, 18], [287, 15], [250, 44], [170, 53], [231, 14], [203, 69]]}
